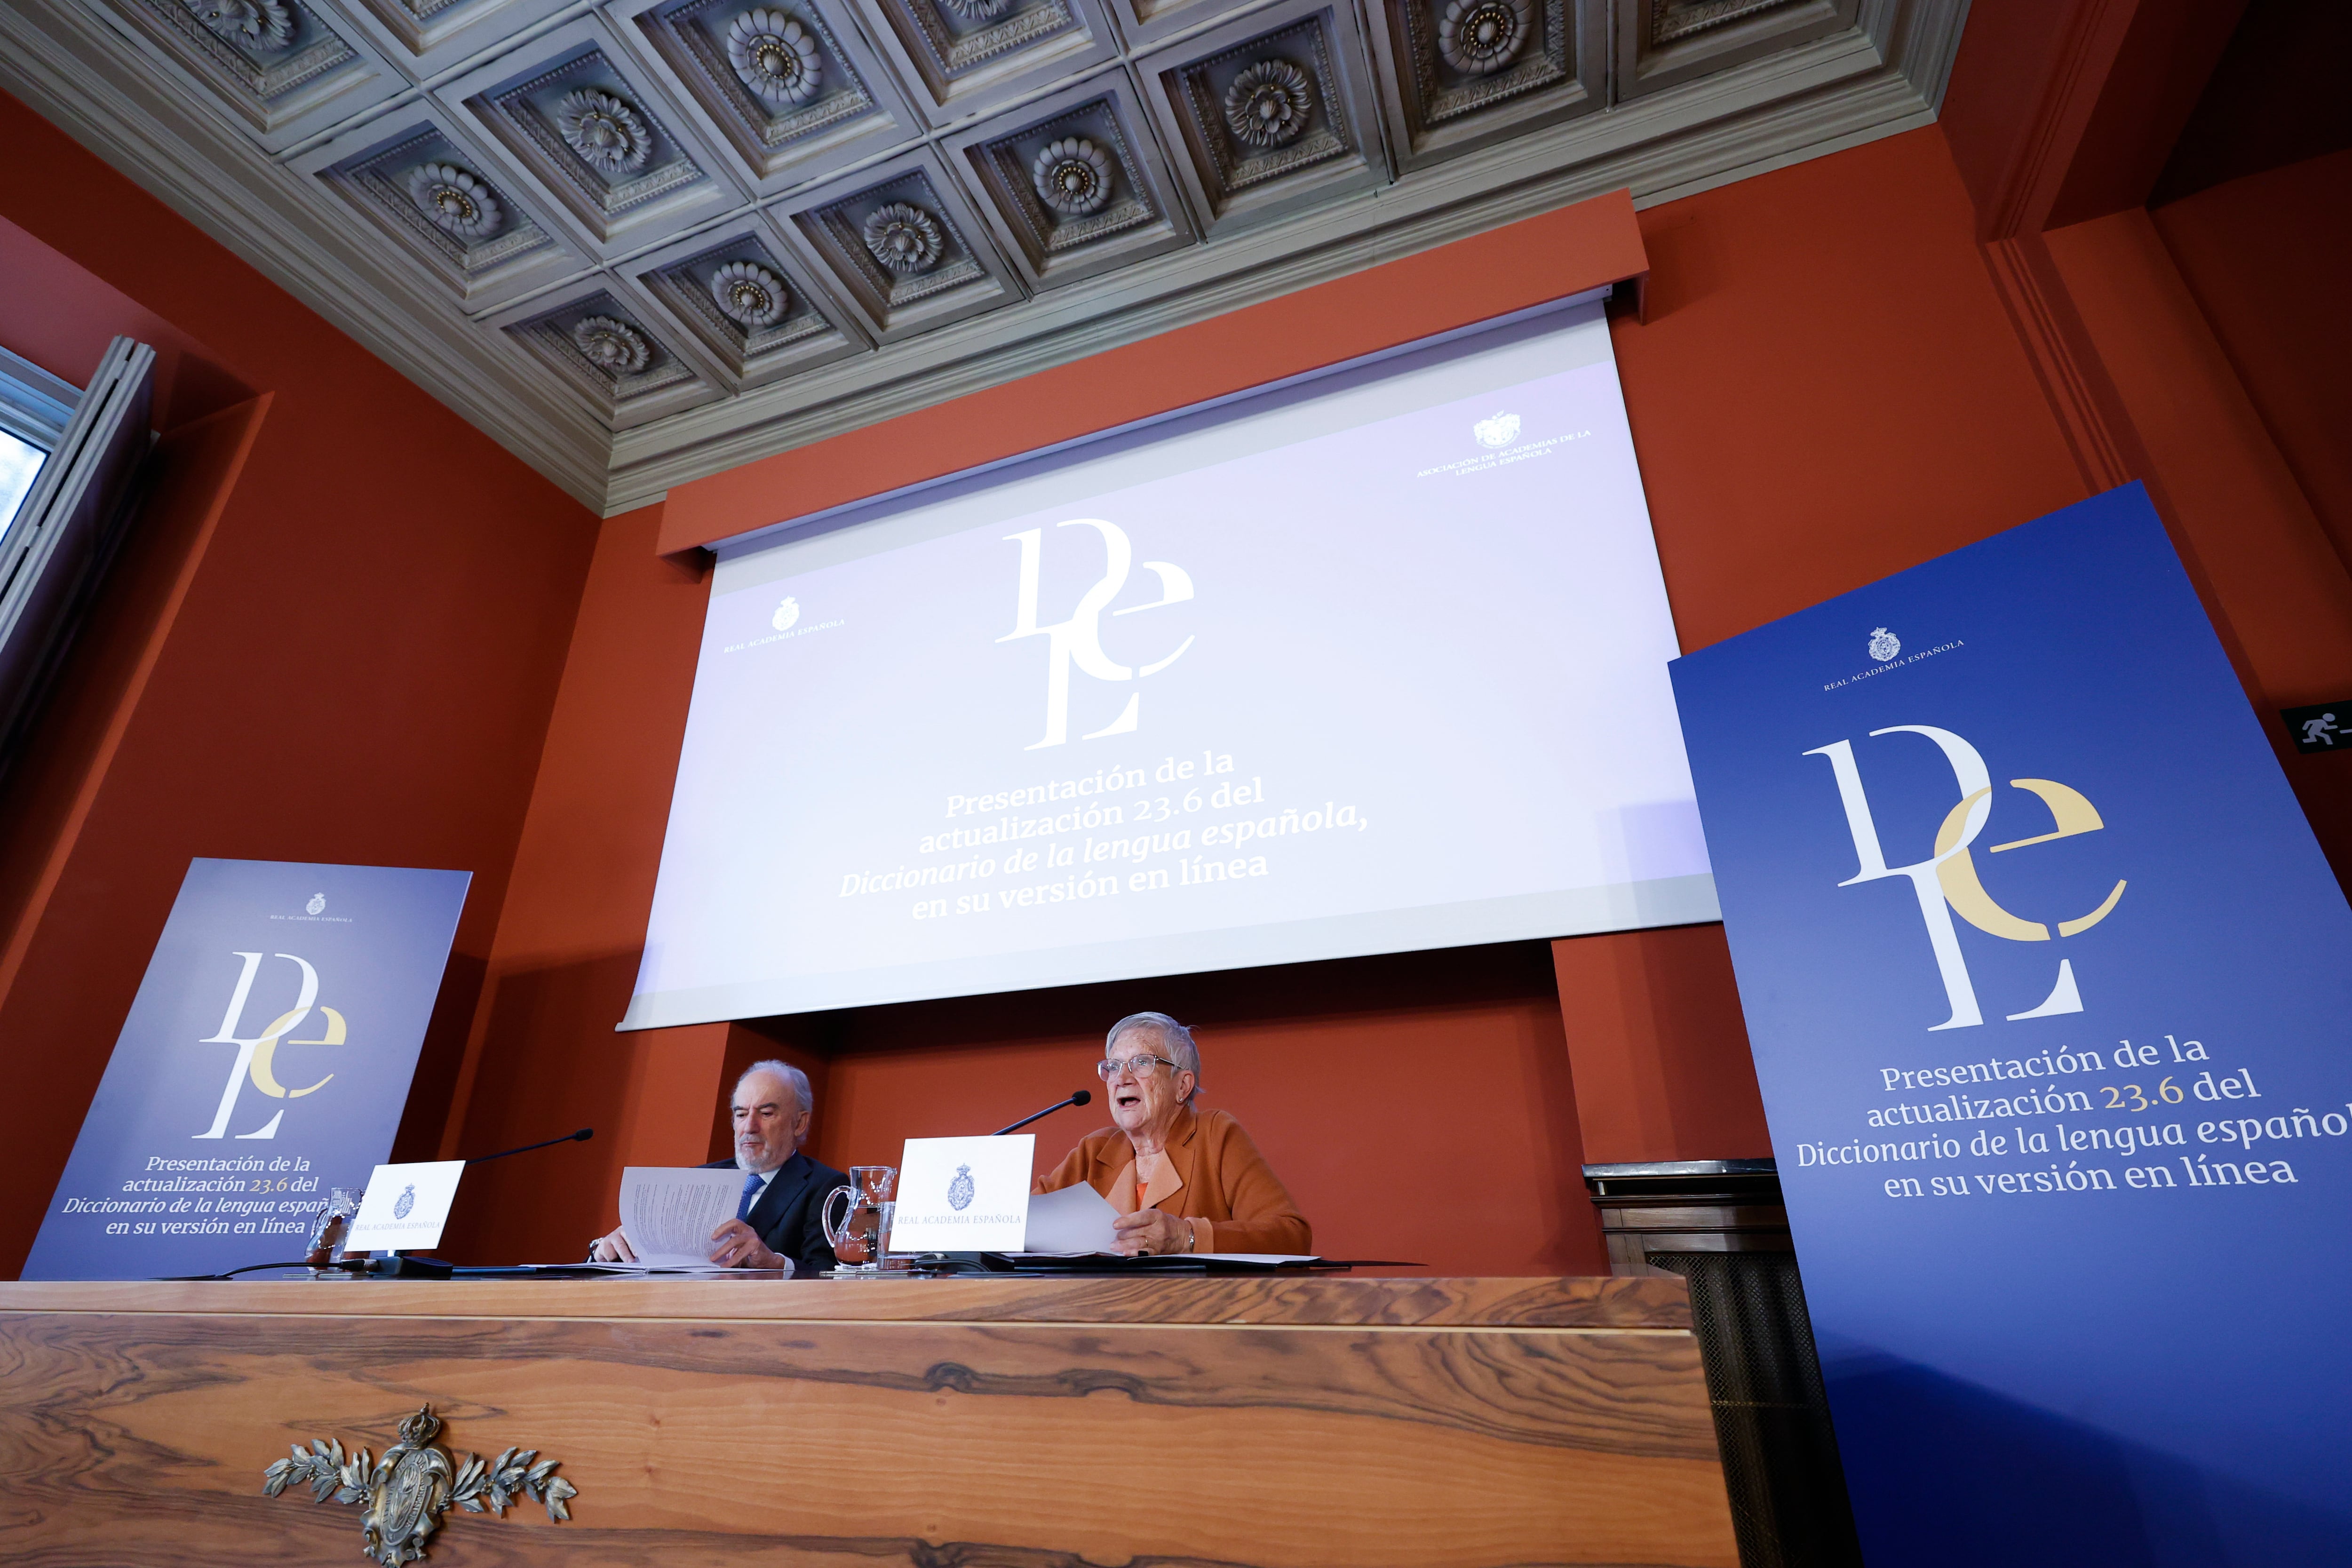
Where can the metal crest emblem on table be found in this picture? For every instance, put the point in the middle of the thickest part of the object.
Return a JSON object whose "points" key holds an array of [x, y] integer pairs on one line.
{"points": [[405, 1493]]}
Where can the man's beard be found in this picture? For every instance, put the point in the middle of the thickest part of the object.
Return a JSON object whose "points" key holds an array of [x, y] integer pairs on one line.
{"points": [[743, 1163]]}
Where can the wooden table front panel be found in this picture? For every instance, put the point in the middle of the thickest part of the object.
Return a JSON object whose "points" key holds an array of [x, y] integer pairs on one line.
{"points": [[874, 1439]]}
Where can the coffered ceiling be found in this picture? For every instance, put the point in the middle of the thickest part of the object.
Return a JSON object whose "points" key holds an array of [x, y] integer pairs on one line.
{"points": [[638, 241]]}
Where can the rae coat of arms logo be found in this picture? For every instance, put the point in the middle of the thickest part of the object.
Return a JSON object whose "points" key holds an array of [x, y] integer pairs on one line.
{"points": [[317, 904], [786, 614], [959, 1190], [1884, 645], [401, 1205], [405, 1493], [1496, 430]]}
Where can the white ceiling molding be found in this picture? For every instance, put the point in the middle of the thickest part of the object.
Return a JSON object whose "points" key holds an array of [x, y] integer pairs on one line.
{"points": [[1073, 184], [622, 358], [1524, 63], [1269, 115], [577, 114], [903, 245], [284, 69], [744, 293], [815, 338], [795, 89], [412, 174]]}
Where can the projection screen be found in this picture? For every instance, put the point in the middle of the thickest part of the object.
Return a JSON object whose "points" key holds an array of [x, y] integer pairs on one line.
{"points": [[1367, 663]]}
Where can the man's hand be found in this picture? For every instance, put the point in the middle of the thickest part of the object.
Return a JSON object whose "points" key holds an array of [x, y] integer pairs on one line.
{"points": [[1150, 1231], [737, 1245], [613, 1248]]}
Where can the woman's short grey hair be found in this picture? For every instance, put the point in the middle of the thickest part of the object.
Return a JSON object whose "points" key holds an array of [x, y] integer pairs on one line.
{"points": [[795, 1081], [1175, 1041]]}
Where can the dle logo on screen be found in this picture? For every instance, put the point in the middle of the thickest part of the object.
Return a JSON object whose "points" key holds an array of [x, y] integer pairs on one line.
{"points": [[1947, 880], [256, 1054], [1079, 640]]}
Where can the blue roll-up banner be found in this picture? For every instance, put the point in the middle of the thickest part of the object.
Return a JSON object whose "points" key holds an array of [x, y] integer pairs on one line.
{"points": [[265, 1063], [2050, 990]]}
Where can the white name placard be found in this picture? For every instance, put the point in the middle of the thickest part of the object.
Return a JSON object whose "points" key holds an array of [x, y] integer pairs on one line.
{"points": [[965, 1194], [405, 1207]]}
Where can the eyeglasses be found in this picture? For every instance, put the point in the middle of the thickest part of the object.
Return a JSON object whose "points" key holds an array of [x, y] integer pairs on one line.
{"points": [[1141, 1066]]}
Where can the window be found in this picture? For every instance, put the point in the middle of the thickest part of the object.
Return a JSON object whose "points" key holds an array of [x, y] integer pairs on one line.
{"points": [[67, 460], [34, 408], [20, 462]]}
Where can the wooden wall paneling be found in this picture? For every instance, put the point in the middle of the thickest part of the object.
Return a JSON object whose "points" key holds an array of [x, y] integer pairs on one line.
{"points": [[699, 1438], [1324, 1301]]}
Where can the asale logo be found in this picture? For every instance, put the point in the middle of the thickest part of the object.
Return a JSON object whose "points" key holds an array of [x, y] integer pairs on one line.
{"points": [[1946, 882], [1496, 430]]}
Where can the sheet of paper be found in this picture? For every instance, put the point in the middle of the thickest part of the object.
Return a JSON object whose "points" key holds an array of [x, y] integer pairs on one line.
{"points": [[963, 1195], [1266, 1258], [668, 1214], [405, 1207], [1076, 1219], [705, 1267]]}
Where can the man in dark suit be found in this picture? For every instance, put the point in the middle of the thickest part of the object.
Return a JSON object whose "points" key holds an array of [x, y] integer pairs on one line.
{"points": [[780, 1215]]}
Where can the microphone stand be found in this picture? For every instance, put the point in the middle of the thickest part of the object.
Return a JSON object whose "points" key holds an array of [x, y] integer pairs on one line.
{"points": [[580, 1137], [400, 1266], [1081, 1098], [961, 1262]]}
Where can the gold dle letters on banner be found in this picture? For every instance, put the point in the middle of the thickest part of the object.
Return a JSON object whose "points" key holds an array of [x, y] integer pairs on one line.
{"points": [[406, 1492]]}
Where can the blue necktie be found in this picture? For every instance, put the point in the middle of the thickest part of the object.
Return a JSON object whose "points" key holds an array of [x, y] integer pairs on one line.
{"points": [[751, 1194]]}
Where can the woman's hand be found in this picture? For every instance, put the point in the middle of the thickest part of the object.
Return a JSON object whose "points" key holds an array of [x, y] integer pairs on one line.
{"points": [[1150, 1231]]}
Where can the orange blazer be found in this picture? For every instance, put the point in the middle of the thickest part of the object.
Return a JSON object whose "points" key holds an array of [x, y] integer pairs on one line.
{"points": [[1226, 1182]]}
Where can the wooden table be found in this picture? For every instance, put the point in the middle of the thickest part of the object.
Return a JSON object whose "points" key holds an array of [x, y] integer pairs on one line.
{"points": [[931, 1423]]}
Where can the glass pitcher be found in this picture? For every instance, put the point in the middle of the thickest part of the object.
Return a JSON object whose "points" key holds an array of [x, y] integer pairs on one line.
{"points": [[856, 1242], [333, 1224]]}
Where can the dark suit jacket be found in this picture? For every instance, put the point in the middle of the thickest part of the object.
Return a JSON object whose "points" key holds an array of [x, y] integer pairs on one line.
{"points": [[788, 1215]]}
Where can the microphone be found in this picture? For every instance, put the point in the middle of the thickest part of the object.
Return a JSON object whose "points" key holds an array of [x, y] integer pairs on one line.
{"points": [[399, 1265], [580, 1137], [405, 1265], [1080, 1097]]}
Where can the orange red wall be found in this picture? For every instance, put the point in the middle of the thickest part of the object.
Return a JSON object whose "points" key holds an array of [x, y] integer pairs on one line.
{"points": [[2264, 258], [335, 635], [1835, 380], [1826, 389], [1831, 385]]}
